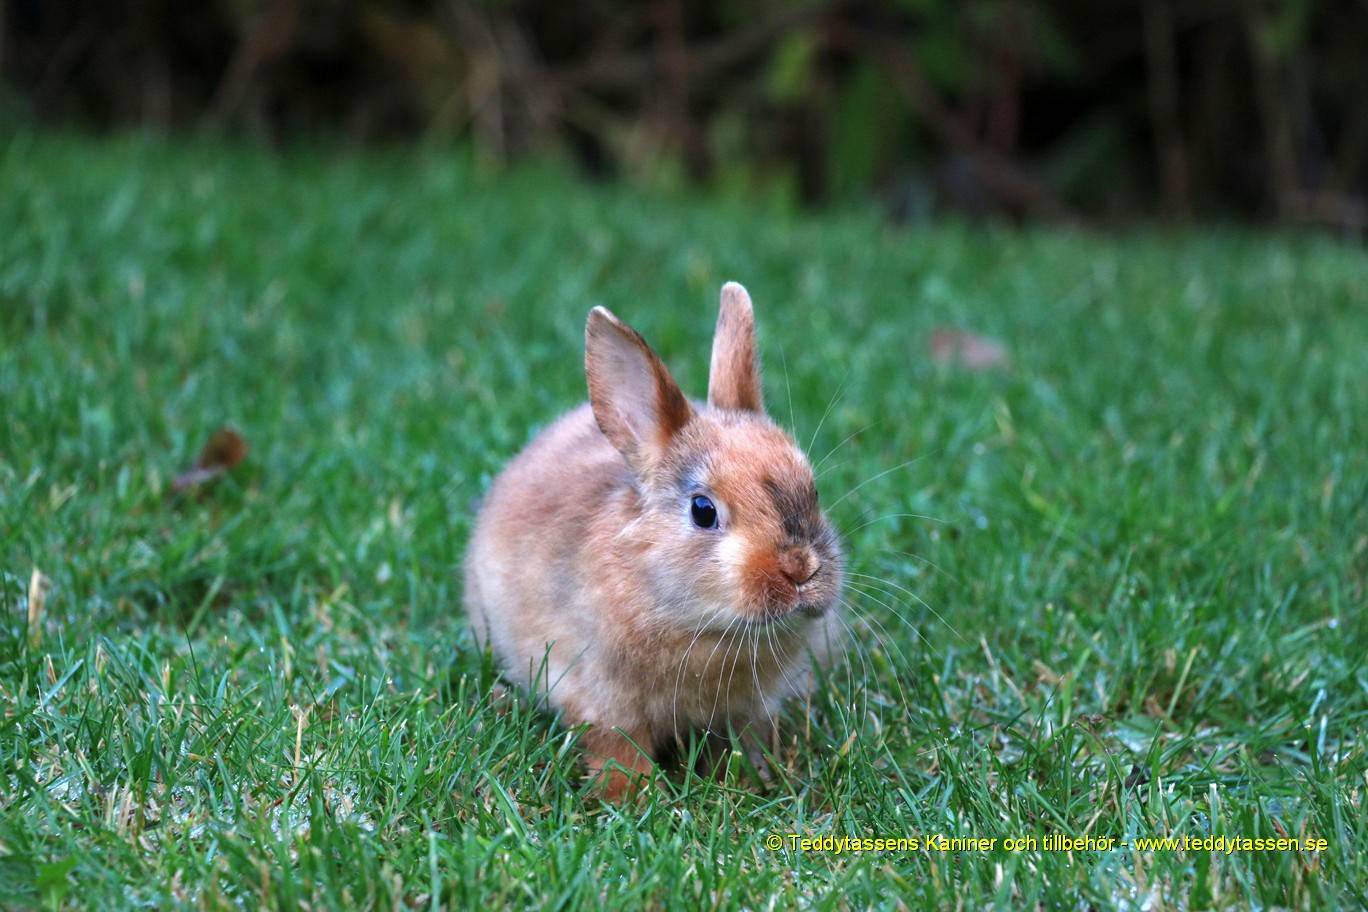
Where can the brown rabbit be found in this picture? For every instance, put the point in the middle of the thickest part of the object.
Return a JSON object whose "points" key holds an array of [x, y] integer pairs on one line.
{"points": [[654, 566]]}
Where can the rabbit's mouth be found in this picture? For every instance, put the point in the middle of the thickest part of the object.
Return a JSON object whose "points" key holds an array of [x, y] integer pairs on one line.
{"points": [[814, 600], [786, 620], [814, 596], [813, 609], [810, 600]]}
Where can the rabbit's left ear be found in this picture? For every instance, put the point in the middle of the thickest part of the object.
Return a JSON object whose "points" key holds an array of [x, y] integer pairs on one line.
{"points": [[636, 402], [734, 380]]}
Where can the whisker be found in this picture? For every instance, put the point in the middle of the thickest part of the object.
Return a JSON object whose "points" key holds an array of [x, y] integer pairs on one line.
{"points": [[870, 618], [901, 465], [793, 422], [910, 594], [881, 518], [786, 668], [830, 404], [925, 560], [887, 638], [851, 437], [852, 637], [741, 644], [717, 692], [833, 467], [755, 670], [703, 626]]}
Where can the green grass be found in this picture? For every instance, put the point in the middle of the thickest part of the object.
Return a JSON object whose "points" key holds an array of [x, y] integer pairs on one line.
{"points": [[1116, 589]]}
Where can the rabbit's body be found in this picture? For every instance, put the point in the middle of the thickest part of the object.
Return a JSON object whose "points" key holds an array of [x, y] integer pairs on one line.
{"points": [[591, 577]]}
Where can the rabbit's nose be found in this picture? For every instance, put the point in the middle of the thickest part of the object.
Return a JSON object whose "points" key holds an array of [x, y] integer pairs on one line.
{"points": [[799, 565]]}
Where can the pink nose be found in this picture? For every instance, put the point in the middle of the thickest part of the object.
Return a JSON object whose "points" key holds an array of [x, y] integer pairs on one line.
{"points": [[798, 565]]}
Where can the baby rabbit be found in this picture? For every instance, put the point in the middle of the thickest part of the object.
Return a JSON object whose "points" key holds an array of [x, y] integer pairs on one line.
{"points": [[652, 565]]}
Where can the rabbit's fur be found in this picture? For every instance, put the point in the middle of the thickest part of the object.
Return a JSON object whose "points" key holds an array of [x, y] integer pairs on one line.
{"points": [[590, 577]]}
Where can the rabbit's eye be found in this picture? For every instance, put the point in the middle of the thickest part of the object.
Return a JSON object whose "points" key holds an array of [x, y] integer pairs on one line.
{"points": [[703, 512]]}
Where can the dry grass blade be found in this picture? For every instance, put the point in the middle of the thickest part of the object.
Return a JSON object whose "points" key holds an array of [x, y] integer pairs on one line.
{"points": [[37, 606]]}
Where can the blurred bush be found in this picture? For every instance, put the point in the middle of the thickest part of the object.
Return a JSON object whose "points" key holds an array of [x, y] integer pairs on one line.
{"points": [[1056, 109]]}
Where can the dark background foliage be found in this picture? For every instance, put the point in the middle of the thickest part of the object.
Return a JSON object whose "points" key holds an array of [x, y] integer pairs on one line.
{"points": [[1064, 110]]}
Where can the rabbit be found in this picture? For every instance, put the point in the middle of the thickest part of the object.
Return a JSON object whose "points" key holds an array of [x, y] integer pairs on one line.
{"points": [[652, 565]]}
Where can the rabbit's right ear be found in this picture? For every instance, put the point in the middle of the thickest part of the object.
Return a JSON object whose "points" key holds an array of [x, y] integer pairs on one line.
{"points": [[636, 402], [734, 380]]}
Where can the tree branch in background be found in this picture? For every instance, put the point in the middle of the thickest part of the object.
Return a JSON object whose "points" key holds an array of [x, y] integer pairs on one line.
{"points": [[73, 47], [674, 69], [675, 97], [1274, 113], [511, 98], [982, 99], [269, 36], [1002, 176], [1353, 150], [633, 69], [1170, 150]]}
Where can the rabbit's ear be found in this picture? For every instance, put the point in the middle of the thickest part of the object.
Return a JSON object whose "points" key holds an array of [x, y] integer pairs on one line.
{"points": [[734, 381], [636, 402]]}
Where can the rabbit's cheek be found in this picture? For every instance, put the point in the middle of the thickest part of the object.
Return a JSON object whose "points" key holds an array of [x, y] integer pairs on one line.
{"points": [[742, 577]]}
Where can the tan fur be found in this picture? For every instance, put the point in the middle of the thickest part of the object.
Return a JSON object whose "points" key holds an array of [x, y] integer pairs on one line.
{"points": [[593, 586], [734, 381]]}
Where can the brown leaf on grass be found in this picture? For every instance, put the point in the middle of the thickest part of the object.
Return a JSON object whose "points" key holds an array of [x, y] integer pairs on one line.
{"points": [[977, 353], [221, 454]]}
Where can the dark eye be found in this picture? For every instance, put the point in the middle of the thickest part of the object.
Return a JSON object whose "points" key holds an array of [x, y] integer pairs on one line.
{"points": [[703, 512]]}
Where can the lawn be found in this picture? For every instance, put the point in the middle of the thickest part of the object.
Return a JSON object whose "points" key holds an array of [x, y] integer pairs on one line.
{"points": [[1114, 588]]}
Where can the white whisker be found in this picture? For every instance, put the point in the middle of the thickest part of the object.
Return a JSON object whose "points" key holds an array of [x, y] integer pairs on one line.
{"points": [[849, 438], [793, 422], [881, 518], [901, 465], [910, 594], [830, 404]]}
